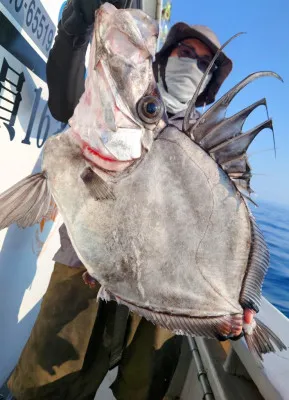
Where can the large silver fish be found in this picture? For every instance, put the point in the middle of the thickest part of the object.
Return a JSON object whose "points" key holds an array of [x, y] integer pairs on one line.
{"points": [[157, 215]]}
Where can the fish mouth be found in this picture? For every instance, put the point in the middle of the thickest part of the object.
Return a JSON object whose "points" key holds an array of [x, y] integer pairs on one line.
{"points": [[97, 152], [104, 161]]}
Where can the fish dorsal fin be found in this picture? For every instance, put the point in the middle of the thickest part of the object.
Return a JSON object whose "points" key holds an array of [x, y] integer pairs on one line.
{"points": [[237, 146], [227, 128], [26, 203], [216, 113], [223, 139]]}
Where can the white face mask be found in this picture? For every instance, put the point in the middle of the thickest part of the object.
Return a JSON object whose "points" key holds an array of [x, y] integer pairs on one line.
{"points": [[182, 78]]}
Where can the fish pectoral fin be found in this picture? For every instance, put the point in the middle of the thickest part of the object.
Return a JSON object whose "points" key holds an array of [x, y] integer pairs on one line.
{"points": [[25, 203], [96, 186]]}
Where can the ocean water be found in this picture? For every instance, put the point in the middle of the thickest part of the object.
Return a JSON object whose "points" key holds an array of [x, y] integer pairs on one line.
{"points": [[273, 220]]}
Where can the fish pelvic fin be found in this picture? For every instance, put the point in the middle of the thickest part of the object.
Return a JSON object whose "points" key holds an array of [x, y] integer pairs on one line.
{"points": [[26, 203], [96, 186], [260, 339], [223, 138]]}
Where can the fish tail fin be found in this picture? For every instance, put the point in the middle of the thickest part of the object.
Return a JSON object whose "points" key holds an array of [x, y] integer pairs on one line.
{"points": [[260, 339], [25, 203]]}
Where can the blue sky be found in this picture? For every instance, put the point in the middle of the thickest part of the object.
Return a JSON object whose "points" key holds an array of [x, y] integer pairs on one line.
{"points": [[264, 47]]}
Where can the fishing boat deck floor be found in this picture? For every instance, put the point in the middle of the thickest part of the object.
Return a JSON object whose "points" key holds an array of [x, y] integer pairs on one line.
{"points": [[235, 384], [187, 384], [104, 393]]}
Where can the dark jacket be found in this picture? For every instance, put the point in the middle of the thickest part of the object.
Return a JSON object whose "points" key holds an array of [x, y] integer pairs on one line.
{"points": [[66, 62], [65, 73]]}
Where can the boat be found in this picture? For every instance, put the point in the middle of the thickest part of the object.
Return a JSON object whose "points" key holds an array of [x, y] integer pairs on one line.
{"points": [[207, 369]]}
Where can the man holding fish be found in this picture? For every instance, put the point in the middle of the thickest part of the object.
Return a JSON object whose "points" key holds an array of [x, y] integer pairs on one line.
{"points": [[75, 341]]}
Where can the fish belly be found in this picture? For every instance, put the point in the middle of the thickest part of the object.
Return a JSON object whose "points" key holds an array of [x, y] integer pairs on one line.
{"points": [[177, 236]]}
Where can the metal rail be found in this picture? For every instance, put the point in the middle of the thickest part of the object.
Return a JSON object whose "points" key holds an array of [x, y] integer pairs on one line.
{"points": [[202, 374]]}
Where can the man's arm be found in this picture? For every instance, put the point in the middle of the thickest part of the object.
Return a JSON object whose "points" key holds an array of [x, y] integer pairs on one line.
{"points": [[66, 62]]}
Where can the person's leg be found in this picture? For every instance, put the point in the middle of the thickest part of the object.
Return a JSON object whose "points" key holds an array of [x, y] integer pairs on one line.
{"points": [[166, 357], [148, 363], [97, 359], [52, 360]]}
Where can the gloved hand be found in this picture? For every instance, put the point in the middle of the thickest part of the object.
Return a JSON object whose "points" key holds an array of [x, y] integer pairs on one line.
{"points": [[79, 15], [88, 7], [89, 280]]}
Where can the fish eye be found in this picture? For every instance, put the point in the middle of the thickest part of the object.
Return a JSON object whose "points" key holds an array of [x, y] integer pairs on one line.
{"points": [[150, 109]]}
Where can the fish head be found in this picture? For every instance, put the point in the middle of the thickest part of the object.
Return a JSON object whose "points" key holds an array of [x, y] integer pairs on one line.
{"points": [[121, 111]]}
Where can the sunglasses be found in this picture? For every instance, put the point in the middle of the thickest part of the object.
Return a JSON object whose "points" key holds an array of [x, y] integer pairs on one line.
{"points": [[187, 51]]}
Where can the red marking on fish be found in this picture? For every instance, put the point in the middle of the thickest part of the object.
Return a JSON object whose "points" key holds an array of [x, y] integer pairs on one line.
{"points": [[96, 153]]}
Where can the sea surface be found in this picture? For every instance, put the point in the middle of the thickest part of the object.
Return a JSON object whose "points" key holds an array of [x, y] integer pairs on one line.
{"points": [[273, 220]]}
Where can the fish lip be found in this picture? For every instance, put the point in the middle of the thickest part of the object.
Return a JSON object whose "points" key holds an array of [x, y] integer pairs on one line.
{"points": [[98, 154]]}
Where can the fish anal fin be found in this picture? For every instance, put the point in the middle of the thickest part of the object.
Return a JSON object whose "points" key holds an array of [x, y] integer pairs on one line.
{"points": [[258, 336], [25, 203], [96, 186], [210, 327]]}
